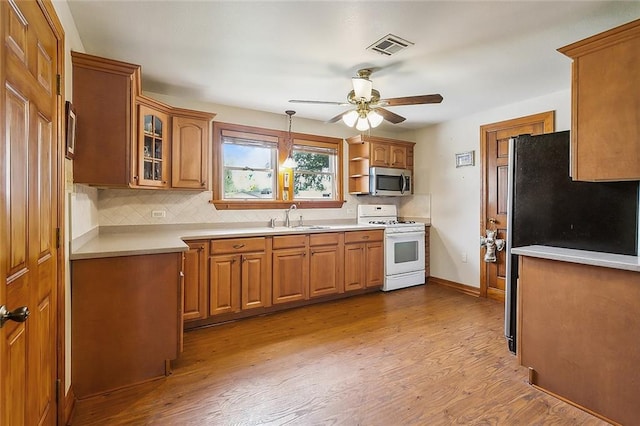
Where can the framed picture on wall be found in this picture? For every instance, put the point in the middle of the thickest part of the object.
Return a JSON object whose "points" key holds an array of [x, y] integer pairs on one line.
{"points": [[465, 159], [70, 130]]}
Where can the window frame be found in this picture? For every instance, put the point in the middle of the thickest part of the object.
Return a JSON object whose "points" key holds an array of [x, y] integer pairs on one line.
{"points": [[300, 145], [270, 135]]}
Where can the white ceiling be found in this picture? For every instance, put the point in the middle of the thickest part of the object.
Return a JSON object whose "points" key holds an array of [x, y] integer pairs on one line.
{"points": [[260, 54]]}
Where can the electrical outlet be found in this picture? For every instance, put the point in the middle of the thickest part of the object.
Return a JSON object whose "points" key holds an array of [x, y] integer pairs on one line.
{"points": [[464, 257], [159, 213]]}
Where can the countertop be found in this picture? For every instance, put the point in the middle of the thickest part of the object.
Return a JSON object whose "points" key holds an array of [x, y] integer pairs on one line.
{"points": [[138, 240], [606, 260]]}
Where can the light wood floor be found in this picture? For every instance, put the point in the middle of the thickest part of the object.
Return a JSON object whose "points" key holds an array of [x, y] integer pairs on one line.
{"points": [[425, 355]]}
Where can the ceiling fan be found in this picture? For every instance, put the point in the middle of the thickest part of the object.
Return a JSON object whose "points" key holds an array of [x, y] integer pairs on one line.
{"points": [[369, 108]]}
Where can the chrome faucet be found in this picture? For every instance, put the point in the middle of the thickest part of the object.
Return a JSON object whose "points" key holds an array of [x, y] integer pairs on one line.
{"points": [[287, 222]]}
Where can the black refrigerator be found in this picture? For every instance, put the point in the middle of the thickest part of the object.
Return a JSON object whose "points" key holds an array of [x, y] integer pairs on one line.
{"points": [[544, 206]]}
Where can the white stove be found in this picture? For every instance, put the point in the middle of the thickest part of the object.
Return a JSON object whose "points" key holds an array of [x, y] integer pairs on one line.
{"points": [[403, 245]]}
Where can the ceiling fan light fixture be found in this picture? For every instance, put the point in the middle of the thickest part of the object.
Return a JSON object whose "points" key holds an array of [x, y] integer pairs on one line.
{"points": [[374, 118], [362, 124], [350, 118], [362, 88]]}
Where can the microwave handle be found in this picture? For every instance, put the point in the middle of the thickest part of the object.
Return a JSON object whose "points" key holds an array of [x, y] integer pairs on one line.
{"points": [[403, 187]]}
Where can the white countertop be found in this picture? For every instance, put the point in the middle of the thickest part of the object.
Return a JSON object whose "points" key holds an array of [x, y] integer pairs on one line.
{"points": [[139, 240], [606, 260]]}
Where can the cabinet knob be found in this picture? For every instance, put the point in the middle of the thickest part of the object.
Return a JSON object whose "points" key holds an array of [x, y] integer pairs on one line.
{"points": [[203, 183], [135, 178]]}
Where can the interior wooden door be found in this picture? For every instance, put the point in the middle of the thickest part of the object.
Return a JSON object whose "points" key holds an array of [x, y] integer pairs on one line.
{"points": [[29, 212], [494, 145]]}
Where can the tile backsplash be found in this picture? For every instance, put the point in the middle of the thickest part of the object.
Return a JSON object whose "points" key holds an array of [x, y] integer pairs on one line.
{"points": [[136, 207], [91, 207]]}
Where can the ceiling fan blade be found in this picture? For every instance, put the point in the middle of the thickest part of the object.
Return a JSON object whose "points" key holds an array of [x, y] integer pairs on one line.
{"points": [[336, 118], [390, 116], [413, 100], [299, 101]]}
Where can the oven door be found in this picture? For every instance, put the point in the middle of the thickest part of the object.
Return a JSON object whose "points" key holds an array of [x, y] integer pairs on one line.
{"points": [[404, 252]]}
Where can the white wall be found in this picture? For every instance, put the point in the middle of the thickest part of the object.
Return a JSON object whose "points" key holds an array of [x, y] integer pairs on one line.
{"points": [[455, 192]]}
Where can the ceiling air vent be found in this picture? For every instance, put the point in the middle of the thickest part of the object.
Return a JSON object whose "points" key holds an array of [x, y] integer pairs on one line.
{"points": [[390, 44]]}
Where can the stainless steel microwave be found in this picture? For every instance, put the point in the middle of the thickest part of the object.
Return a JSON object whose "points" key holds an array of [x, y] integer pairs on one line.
{"points": [[389, 182]]}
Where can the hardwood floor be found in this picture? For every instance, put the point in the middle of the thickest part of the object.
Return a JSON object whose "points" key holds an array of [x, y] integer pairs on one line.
{"points": [[425, 355]]}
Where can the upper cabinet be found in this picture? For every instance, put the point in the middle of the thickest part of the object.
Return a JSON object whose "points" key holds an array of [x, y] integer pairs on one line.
{"points": [[371, 151], [153, 143], [605, 106], [126, 139], [190, 146]]}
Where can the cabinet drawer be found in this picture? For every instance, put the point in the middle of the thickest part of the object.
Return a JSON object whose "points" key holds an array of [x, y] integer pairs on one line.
{"points": [[324, 239], [362, 236], [238, 245], [288, 241]]}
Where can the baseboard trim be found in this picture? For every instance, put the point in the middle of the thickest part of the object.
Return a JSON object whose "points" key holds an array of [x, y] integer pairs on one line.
{"points": [[69, 405], [462, 288]]}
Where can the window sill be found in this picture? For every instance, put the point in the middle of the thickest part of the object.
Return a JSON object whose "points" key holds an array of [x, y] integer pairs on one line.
{"points": [[279, 204]]}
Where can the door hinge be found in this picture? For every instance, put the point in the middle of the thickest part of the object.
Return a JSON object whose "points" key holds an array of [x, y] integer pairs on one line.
{"points": [[57, 238], [58, 84]]}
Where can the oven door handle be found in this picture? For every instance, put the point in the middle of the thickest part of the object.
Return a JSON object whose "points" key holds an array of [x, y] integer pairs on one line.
{"points": [[406, 234]]}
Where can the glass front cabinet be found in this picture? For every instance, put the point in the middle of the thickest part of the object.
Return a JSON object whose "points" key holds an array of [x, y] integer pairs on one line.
{"points": [[154, 147]]}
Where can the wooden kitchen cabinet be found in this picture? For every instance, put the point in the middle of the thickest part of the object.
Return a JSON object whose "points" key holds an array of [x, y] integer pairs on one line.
{"points": [[290, 268], [104, 95], [125, 138], [388, 155], [195, 281], [371, 151], [326, 264], [578, 334], [153, 148], [363, 259], [190, 146], [239, 275], [604, 105], [126, 320]]}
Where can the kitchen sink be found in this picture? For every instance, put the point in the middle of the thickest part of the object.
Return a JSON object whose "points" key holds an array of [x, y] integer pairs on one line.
{"points": [[310, 227]]}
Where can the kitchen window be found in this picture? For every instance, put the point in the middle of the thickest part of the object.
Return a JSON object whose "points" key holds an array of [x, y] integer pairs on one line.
{"points": [[248, 171], [315, 174]]}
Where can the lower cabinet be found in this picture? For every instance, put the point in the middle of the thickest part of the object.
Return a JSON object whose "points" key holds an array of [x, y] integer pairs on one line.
{"points": [[227, 278], [196, 291], [239, 276], [126, 320], [363, 259], [290, 268], [326, 264]]}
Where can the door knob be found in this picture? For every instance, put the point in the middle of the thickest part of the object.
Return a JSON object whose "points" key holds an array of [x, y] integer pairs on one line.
{"points": [[17, 315]]}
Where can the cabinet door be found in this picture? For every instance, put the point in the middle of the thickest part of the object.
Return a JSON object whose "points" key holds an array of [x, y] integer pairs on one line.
{"points": [[195, 281], [398, 156], [256, 283], [189, 160], [290, 275], [153, 148], [224, 284], [325, 271], [379, 155], [354, 266], [375, 264]]}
